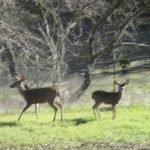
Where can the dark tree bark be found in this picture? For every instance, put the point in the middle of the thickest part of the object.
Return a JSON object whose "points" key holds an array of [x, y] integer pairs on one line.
{"points": [[107, 50], [10, 60], [83, 88]]}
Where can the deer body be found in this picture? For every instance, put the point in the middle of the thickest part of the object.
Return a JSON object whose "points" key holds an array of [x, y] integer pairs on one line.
{"points": [[107, 97], [38, 95], [111, 98]]}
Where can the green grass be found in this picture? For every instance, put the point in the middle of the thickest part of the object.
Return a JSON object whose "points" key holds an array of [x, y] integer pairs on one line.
{"points": [[79, 127]]}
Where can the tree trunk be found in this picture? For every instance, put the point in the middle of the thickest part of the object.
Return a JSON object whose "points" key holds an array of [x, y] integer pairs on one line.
{"points": [[10, 60], [87, 81]]}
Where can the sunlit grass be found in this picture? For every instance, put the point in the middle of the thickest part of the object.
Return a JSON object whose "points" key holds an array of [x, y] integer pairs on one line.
{"points": [[79, 127]]}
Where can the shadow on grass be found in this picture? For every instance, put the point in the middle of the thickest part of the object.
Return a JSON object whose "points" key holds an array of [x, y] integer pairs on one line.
{"points": [[106, 109], [10, 124], [80, 121]]}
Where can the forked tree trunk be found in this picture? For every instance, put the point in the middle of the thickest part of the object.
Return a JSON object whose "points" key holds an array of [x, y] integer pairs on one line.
{"points": [[87, 81]]}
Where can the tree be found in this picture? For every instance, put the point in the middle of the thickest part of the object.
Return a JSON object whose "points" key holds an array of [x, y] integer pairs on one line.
{"points": [[66, 31]]}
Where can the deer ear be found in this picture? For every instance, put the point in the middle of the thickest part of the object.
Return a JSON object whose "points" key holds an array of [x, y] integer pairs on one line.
{"points": [[126, 82], [22, 78]]}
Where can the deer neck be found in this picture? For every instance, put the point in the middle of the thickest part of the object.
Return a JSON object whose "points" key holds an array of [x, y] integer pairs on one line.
{"points": [[120, 92], [21, 89]]}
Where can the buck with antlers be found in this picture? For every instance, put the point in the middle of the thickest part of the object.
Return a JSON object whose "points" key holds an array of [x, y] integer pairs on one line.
{"points": [[111, 98], [38, 95]]}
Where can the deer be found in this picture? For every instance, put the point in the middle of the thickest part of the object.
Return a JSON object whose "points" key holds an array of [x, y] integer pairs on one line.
{"points": [[111, 98], [38, 95]]}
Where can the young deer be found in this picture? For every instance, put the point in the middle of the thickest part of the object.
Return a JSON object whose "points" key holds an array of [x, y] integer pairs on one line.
{"points": [[111, 98], [38, 95]]}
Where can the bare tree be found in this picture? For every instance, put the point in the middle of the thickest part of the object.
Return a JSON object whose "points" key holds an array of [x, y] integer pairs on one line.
{"points": [[109, 31], [61, 30]]}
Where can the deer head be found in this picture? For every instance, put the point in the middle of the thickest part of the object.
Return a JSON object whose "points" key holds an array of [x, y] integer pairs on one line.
{"points": [[121, 85], [18, 82]]}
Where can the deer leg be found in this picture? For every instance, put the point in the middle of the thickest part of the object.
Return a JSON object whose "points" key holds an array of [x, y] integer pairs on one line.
{"points": [[36, 110], [95, 107], [61, 111], [114, 112], [55, 110], [94, 110], [25, 108], [98, 110]]}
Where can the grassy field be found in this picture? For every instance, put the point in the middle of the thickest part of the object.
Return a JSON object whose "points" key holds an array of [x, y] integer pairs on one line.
{"points": [[79, 128]]}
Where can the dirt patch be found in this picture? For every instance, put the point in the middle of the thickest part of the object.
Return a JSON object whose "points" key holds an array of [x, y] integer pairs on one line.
{"points": [[102, 146], [87, 146]]}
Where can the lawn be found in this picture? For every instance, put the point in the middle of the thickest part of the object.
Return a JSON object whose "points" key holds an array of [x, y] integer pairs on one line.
{"points": [[80, 130], [132, 126]]}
